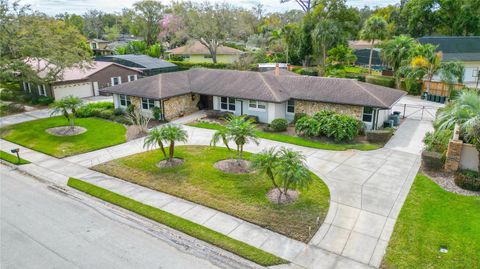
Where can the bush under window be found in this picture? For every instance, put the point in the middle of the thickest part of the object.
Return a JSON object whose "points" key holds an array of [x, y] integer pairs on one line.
{"points": [[278, 125]]}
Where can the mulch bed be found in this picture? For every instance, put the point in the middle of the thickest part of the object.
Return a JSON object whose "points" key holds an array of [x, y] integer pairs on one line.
{"points": [[274, 193], [233, 166], [167, 163], [66, 130], [446, 182]]}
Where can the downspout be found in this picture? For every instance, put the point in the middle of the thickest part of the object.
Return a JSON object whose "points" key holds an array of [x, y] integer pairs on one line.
{"points": [[375, 119], [162, 105]]}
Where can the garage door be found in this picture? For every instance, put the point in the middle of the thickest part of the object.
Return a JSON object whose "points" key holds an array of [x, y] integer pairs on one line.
{"points": [[79, 90]]}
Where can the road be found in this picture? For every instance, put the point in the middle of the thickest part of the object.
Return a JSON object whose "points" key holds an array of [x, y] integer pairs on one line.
{"points": [[41, 228]]}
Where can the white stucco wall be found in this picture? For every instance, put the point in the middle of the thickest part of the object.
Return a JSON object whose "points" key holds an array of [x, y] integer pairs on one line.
{"points": [[469, 157]]}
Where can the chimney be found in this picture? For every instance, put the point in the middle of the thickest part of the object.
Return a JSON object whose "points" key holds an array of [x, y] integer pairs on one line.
{"points": [[277, 70]]}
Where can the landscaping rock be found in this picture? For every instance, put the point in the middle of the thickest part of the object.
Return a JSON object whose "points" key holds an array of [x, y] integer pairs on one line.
{"points": [[274, 194], [66, 130], [233, 166], [170, 163], [447, 182], [134, 132], [432, 160]]}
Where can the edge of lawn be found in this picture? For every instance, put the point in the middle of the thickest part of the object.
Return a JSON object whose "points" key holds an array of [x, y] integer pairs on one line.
{"points": [[295, 140], [11, 158], [180, 224]]}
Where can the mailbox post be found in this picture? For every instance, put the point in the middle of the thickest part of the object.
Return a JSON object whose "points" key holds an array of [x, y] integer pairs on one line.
{"points": [[17, 151]]}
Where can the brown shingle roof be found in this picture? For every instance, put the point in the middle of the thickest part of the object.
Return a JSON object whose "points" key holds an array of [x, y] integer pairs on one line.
{"points": [[198, 48], [260, 86]]}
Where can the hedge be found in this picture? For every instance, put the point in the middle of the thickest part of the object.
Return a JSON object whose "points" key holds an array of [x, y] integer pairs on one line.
{"points": [[188, 65], [381, 80], [468, 180]]}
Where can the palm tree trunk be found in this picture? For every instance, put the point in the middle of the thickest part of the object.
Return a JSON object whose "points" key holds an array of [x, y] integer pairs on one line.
{"points": [[162, 148], [370, 58], [171, 149]]}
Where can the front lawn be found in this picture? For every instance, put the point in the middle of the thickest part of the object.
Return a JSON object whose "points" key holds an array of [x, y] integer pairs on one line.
{"points": [[12, 158], [240, 195], [100, 134], [297, 140], [254, 254], [432, 218]]}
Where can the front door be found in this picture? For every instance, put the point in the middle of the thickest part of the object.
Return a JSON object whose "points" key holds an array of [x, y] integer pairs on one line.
{"points": [[206, 102]]}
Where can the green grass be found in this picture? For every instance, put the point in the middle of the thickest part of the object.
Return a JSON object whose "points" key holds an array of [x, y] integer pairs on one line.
{"points": [[12, 158], [240, 195], [296, 140], [430, 218], [100, 134], [198, 231]]}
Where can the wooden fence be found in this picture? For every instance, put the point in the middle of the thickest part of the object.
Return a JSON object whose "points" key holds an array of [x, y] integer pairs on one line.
{"points": [[440, 88]]}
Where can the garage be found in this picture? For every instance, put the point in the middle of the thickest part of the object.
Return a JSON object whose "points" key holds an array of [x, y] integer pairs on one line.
{"points": [[77, 89]]}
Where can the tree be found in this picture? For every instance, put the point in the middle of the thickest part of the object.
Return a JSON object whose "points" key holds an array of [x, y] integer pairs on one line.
{"points": [[67, 106], [93, 24], [464, 110], [396, 52], [267, 162], [166, 134], [306, 5], [326, 34], [342, 55], [292, 171], [375, 28], [112, 33], [28, 37], [306, 40], [238, 129], [148, 14], [210, 24]]}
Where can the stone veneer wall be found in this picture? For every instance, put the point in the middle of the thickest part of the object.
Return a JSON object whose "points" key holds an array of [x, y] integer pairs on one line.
{"points": [[136, 101], [310, 108], [184, 104]]}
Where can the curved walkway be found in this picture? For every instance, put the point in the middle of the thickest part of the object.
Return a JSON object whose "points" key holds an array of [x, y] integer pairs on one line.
{"points": [[367, 190]]}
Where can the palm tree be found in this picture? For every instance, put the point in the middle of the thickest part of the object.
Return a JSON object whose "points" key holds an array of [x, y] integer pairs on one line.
{"points": [[238, 129], [267, 162], [167, 134], [464, 110], [325, 35], [292, 171], [396, 51], [375, 28], [67, 106]]}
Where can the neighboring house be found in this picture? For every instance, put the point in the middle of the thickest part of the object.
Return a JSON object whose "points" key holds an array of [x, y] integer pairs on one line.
{"points": [[196, 52], [100, 47], [262, 67], [267, 95], [83, 82], [465, 49], [148, 65], [362, 44]]}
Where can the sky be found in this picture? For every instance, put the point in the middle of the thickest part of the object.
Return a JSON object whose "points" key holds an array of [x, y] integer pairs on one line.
{"points": [[53, 7]]}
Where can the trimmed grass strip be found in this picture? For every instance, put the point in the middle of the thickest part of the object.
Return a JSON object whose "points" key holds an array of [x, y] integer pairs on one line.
{"points": [[296, 140], [198, 231], [12, 158]]}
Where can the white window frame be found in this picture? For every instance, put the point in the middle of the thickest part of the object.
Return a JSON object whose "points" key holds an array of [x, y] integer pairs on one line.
{"points": [[255, 105], [290, 105], [134, 77], [119, 80], [42, 90], [149, 102], [230, 101], [126, 100], [27, 87], [368, 114]]}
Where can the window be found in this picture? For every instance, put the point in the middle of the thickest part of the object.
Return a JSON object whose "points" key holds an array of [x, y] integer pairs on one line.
{"points": [[116, 80], [124, 100], [256, 105], [148, 103], [27, 87], [132, 77], [291, 106], [94, 45], [367, 114], [227, 103], [42, 90]]}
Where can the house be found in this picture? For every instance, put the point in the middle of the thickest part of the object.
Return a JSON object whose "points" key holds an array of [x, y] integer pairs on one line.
{"points": [[196, 52], [267, 95], [148, 65], [465, 49], [362, 44], [81, 82], [99, 47]]}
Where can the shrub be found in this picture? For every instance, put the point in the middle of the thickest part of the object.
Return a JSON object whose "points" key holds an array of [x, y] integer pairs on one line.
{"points": [[432, 160], [118, 112], [358, 77], [254, 119], [381, 80], [341, 127], [157, 112], [379, 136], [468, 180], [415, 88], [437, 141], [298, 116], [307, 126], [11, 108], [94, 109], [188, 65], [106, 114], [45, 100], [8, 95], [278, 125], [217, 114]]}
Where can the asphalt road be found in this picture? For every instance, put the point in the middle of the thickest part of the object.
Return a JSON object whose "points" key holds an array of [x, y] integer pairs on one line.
{"points": [[41, 228]]}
